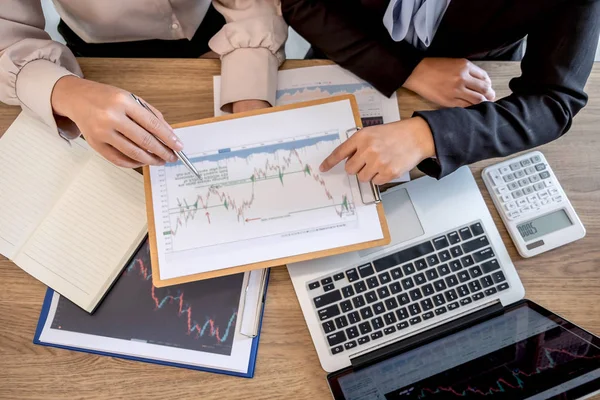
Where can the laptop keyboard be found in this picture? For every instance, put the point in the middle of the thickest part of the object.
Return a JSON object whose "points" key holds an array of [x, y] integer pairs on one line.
{"points": [[406, 288]]}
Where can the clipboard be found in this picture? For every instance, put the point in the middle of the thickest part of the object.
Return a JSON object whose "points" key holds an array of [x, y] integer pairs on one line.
{"points": [[368, 191]]}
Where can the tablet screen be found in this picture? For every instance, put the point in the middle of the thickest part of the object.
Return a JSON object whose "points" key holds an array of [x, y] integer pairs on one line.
{"points": [[525, 353]]}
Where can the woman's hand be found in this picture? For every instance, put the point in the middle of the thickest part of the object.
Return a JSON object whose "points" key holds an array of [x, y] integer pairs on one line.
{"points": [[114, 124]]}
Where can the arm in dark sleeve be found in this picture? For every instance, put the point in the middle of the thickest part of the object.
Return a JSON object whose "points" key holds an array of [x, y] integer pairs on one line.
{"points": [[343, 31], [550, 92]]}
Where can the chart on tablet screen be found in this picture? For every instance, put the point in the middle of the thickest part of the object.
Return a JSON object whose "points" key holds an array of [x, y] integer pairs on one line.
{"points": [[255, 190]]}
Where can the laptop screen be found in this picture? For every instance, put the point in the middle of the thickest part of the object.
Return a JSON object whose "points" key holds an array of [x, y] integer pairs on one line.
{"points": [[525, 353]]}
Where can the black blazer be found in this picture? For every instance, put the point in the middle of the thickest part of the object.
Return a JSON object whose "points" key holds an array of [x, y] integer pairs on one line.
{"points": [[562, 36]]}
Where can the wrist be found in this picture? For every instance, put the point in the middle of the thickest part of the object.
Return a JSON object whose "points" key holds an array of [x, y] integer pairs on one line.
{"points": [[422, 137], [62, 93], [416, 77]]}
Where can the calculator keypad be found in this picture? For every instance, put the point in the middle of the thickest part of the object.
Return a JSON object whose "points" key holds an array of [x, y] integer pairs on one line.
{"points": [[525, 186]]}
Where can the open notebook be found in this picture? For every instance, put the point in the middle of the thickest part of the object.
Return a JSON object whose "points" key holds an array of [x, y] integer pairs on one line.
{"points": [[67, 216]]}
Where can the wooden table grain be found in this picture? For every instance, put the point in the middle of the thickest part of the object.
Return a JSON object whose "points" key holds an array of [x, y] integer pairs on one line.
{"points": [[566, 280]]}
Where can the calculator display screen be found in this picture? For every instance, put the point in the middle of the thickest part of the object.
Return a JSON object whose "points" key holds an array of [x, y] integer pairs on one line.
{"points": [[543, 225]]}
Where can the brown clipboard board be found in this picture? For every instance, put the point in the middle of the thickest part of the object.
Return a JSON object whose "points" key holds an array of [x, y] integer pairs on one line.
{"points": [[263, 264]]}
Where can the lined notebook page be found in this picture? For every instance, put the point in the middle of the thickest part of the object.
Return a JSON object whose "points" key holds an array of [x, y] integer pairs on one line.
{"points": [[36, 166], [85, 241]]}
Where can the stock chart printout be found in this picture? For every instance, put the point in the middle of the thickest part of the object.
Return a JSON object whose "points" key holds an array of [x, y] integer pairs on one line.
{"points": [[519, 355], [261, 195]]}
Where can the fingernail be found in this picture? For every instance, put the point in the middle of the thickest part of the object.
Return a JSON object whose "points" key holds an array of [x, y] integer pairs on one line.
{"points": [[322, 168], [178, 145], [173, 158]]}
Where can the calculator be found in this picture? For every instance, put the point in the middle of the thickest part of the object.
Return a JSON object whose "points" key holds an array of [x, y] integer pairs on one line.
{"points": [[532, 204]]}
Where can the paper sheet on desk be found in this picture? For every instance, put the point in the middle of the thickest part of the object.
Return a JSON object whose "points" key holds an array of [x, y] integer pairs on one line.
{"points": [[302, 84]]}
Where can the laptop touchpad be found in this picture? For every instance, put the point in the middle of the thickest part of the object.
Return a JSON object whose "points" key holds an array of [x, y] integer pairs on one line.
{"points": [[402, 219]]}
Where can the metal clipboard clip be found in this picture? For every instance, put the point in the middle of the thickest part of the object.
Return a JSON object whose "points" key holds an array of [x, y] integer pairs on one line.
{"points": [[369, 192]]}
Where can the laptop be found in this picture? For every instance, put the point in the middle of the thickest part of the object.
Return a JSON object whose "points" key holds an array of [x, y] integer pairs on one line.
{"points": [[445, 268]]}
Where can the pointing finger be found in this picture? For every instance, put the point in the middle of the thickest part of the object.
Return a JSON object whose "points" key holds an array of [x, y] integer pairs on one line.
{"points": [[342, 152]]}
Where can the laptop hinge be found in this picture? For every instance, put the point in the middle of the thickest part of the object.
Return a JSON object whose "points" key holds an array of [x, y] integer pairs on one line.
{"points": [[427, 336]]}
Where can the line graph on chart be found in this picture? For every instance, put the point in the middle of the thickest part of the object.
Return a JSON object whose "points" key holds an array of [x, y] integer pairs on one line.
{"points": [[253, 191]]}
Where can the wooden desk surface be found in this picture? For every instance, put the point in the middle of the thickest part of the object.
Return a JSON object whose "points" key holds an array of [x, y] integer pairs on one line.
{"points": [[566, 280]]}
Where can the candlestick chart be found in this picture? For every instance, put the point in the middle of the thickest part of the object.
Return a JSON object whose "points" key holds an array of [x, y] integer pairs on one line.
{"points": [[254, 191], [198, 316]]}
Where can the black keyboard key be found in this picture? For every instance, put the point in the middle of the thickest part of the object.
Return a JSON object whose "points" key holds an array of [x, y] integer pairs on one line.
{"points": [[451, 281], [327, 298], [337, 349], [432, 274], [403, 299], [443, 269], [389, 318], [440, 311], [419, 279], [347, 291], [475, 244], [391, 304], [402, 314], [490, 291], [378, 308], [358, 301], [456, 251], [439, 285], [439, 300], [383, 292], [455, 265], [415, 320], [465, 233], [428, 289], [486, 281], [463, 290], [371, 296], [372, 282], [498, 277], [341, 322], [397, 273], [445, 256], [440, 242], [421, 264], [326, 281], [389, 330], [414, 309], [474, 286], [416, 294], [453, 237], [377, 323], [346, 306], [477, 229], [352, 332], [409, 269], [467, 261], [328, 326], [502, 287], [336, 338], [463, 276], [328, 288], [350, 345], [366, 312], [363, 340], [432, 260], [395, 288], [352, 275], [451, 295], [338, 277], [407, 283], [477, 296], [428, 315], [360, 287], [401, 325], [385, 278], [404, 256], [465, 301], [313, 285], [453, 306], [490, 266], [353, 317], [483, 255], [365, 270], [475, 272], [426, 304], [376, 335]]}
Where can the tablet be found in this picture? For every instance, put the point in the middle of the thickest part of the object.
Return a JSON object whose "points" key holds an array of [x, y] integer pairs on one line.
{"points": [[523, 352]]}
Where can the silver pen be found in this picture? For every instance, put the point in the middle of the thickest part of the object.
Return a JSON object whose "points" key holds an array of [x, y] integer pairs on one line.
{"points": [[180, 154]]}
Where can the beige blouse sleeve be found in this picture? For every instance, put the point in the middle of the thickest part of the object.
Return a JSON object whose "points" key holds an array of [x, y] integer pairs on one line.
{"points": [[251, 47], [30, 62]]}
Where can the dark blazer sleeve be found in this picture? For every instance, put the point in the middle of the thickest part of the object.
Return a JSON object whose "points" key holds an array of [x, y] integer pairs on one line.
{"points": [[346, 33], [560, 54]]}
